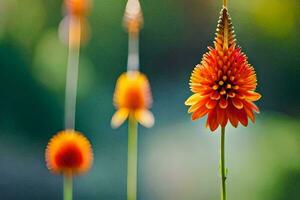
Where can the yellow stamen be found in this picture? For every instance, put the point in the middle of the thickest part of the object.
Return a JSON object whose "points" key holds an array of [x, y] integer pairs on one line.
{"points": [[223, 92], [221, 83], [215, 87], [236, 87]]}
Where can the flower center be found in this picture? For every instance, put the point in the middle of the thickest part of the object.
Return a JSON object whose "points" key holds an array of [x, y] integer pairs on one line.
{"points": [[69, 157], [225, 86], [134, 98]]}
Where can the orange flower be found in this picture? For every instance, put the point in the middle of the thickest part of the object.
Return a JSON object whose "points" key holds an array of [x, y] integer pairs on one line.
{"points": [[77, 8], [74, 29], [132, 97], [69, 152], [224, 83], [133, 18]]}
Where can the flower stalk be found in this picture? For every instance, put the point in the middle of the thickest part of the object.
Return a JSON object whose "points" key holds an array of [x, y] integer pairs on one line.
{"points": [[72, 72], [68, 187], [132, 158], [133, 61], [222, 165], [71, 90]]}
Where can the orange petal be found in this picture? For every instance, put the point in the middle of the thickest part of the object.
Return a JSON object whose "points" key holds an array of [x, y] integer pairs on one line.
{"points": [[225, 121], [199, 104], [211, 104], [237, 103], [252, 96], [250, 113], [221, 116], [212, 121], [193, 99], [242, 116], [144, 117], [119, 117], [232, 116], [199, 113], [223, 103], [252, 106], [215, 95], [241, 96], [193, 108]]}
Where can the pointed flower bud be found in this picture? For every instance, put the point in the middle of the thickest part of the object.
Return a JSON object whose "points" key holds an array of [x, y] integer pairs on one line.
{"points": [[224, 83], [133, 17]]}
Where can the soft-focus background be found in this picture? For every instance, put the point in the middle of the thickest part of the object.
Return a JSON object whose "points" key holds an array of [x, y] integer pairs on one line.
{"points": [[178, 158]]}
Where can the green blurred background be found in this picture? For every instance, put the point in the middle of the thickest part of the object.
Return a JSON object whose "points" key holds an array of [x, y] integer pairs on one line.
{"points": [[178, 159]]}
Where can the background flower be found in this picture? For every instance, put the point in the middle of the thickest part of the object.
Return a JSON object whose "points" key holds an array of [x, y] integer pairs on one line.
{"points": [[133, 97], [69, 152]]}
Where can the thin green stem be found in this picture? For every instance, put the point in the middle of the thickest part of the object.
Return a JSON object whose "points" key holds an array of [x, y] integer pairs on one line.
{"points": [[72, 73], [133, 61], [222, 163], [68, 187], [132, 159], [225, 3]]}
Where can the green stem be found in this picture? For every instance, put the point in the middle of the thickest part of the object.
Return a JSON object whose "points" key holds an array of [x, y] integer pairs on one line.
{"points": [[223, 171], [68, 187], [72, 73], [133, 61], [132, 159]]}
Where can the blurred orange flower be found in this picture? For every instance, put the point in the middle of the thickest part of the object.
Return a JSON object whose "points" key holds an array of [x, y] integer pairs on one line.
{"points": [[69, 152], [224, 83], [77, 8], [74, 29], [133, 98]]}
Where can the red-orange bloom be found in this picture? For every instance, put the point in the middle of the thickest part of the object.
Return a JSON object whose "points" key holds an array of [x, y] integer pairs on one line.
{"points": [[133, 97], [69, 152], [74, 28], [224, 83]]}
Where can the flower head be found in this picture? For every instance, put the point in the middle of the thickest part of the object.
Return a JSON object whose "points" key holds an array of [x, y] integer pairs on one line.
{"points": [[133, 97], [69, 152], [224, 83], [74, 29], [133, 18]]}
